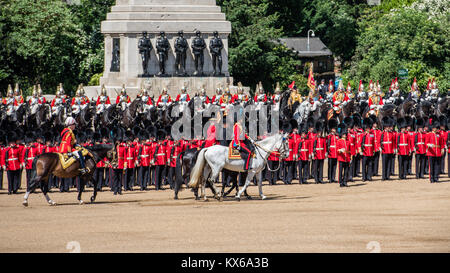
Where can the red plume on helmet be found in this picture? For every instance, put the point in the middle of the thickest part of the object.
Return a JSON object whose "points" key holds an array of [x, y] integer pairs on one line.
{"points": [[371, 84], [360, 88], [396, 82], [349, 87], [414, 84], [330, 86], [392, 85], [429, 84], [291, 85]]}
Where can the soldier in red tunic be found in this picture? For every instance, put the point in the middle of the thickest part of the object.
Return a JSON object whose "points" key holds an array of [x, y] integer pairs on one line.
{"points": [[443, 132], [403, 148], [13, 163], [120, 167], [420, 148], [388, 147], [377, 148], [304, 156], [30, 152], [160, 159], [319, 152], [332, 139], [435, 146], [290, 162], [344, 155], [367, 150], [244, 145], [2, 157], [144, 161], [68, 140]]}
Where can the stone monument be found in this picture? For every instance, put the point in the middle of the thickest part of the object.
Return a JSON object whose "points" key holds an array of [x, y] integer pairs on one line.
{"points": [[124, 27]]}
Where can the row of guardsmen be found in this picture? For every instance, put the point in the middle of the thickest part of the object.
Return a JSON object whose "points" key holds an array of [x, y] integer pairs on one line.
{"points": [[355, 146], [351, 148]]}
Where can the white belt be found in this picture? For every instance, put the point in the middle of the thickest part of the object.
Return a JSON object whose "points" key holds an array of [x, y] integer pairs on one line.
{"points": [[304, 150], [319, 149], [387, 142], [332, 146], [368, 145], [11, 159], [145, 155], [420, 142], [130, 157], [160, 154], [402, 144], [28, 158]]}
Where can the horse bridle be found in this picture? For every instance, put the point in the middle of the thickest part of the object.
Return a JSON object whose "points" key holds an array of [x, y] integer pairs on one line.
{"points": [[273, 151]]}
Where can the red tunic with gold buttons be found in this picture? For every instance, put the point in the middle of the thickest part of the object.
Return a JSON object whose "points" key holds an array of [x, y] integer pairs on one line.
{"points": [[419, 143], [403, 143], [160, 155], [67, 141], [388, 142], [377, 140], [368, 144], [332, 145], [121, 154], [293, 149], [144, 154], [319, 147], [434, 143], [131, 156], [304, 148], [13, 157], [343, 150], [175, 151], [30, 153]]}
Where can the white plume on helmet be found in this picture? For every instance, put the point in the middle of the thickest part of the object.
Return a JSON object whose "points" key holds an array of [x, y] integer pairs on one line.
{"points": [[70, 121]]}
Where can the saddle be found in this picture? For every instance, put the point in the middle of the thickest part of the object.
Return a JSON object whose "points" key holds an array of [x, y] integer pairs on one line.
{"points": [[234, 153], [67, 161]]}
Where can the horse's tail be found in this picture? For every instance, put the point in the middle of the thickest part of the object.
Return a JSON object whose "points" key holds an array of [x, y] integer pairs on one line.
{"points": [[196, 172]]}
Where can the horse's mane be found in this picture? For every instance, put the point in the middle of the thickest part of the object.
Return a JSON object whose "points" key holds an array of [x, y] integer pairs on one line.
{"points": [[99, 147]]}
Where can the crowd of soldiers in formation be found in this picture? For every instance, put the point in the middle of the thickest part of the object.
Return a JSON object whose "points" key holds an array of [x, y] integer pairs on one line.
{"points": [[148, 157]]}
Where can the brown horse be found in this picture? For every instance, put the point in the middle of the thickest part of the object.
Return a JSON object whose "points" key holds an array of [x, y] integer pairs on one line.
{"points": [[47, 164]]}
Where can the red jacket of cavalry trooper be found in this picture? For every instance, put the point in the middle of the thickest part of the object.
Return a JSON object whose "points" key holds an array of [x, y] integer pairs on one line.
{"points": [[304, 148], [293, 149], [83, 101], [419, 143], [131, 155], [343, 150], [368, 144], [160, 154], [121, 156], [179, 96], [52, 104], [388, 142], [13, 157], [30, 153], [332, 145], [118, 99], [403, 143], [175, 151], [377, 140], [434, 143], [144, 153], [256, 98], [67, 141], [98, 101], [320, 147]]}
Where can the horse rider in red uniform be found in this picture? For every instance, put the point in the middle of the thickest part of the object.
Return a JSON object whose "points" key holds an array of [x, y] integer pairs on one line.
{"points": [[68, 140], [245, 146]]}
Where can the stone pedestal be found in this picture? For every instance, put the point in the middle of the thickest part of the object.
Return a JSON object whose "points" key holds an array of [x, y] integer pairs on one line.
{"points": [[129, 18]]}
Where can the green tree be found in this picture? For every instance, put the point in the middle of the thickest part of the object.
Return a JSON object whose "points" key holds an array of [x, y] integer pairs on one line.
{"points": [[40, 44], [404, 38]]}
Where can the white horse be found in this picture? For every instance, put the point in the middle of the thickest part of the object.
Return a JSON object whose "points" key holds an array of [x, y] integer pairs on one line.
{"points": [[217, 159]]}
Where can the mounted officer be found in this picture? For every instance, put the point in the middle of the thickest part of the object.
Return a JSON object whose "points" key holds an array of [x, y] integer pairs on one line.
{"points": [[68, 141], [244, 146]]}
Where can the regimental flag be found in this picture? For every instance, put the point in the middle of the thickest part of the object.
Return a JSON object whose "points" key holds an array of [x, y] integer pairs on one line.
{"points": [[291, 86], [311, 82]]}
